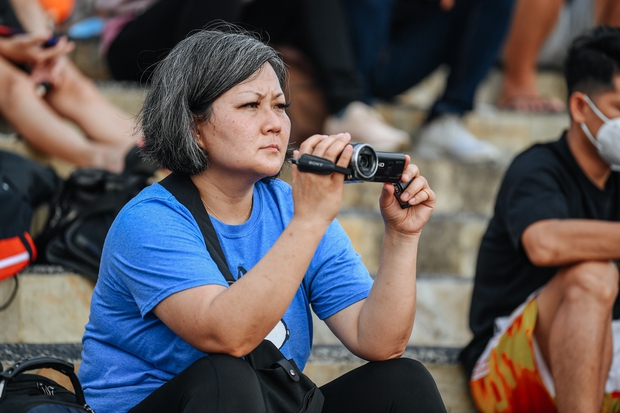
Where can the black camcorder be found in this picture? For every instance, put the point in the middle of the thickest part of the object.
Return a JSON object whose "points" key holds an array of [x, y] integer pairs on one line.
{"points": [[366, 165]]}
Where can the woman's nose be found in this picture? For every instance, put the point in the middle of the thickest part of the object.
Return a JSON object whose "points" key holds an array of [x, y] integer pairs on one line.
{"points": [[273, 121]]}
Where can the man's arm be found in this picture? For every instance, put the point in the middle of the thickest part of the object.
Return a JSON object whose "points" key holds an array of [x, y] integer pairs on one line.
{"points": [[556, 242]]}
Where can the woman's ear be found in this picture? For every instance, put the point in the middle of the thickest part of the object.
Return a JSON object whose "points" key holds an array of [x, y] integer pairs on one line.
{"points": [[578, 107], [200, 140], [200, 137]]}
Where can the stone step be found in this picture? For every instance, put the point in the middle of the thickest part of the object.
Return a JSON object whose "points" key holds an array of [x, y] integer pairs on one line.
{"points": [[54, 307], [441, 314], [328, 362], [449, 242], [51, 308], [325, 364], [510, 131], [459, 187]]}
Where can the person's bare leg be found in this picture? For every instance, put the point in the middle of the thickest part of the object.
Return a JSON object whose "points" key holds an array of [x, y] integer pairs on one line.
{"points": [[607, 12], [573, 331], [43, 128], [77, 98], [607, 352], [532, 23]]}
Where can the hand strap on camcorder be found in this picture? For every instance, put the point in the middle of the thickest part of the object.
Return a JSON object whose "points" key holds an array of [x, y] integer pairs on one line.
{"points": [[321, 166]]}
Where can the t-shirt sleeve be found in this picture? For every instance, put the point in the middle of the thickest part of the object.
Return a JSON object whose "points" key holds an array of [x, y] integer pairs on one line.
{"points": [[156, 249], [338, 278], [534, 193]]}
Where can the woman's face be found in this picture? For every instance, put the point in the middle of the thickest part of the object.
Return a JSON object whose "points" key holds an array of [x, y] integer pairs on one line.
{"points": [[249, 129]]}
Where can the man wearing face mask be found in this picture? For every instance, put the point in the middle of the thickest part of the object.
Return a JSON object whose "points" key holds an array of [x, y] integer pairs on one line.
{"points": [[545, 313]]}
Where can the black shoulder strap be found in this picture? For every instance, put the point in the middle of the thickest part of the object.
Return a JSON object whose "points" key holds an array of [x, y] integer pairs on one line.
{"points": [[184, 190]]}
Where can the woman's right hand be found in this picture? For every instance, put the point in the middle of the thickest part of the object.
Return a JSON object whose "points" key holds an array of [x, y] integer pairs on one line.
{"points": [[318, 197]]}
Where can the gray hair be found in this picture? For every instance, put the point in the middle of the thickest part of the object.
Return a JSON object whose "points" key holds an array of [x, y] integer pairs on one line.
{"points": [[184, 86]]}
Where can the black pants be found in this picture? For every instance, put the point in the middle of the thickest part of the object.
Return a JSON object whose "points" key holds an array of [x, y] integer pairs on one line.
{"points": [[225, 384], [316, 27]]}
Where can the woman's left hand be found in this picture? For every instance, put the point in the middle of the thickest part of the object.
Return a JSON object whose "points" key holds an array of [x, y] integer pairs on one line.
{"points": [[419, 195]]}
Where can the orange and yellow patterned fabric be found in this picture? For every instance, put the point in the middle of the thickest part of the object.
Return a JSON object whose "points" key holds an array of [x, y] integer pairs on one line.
{"points": [[509, 380]]}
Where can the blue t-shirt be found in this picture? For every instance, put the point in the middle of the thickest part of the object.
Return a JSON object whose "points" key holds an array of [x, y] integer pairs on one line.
{"points": [[154, 249]]}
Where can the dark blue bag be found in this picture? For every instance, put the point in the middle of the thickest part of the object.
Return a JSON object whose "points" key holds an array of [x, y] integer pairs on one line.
{"points": [[33, 393]]}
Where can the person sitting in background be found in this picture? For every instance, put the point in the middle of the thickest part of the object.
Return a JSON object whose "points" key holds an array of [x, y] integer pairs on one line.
{"points": [[42, 90], [545, 307], [166, 332], [140, 32], [400, 42], [540, 34]]}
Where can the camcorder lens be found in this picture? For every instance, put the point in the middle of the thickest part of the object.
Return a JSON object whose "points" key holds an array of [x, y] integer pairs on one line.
{"points": [[363, 162]]}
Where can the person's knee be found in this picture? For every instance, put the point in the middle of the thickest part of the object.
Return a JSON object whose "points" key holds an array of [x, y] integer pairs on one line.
{"points": [[221, 366], [74, 83], [15, 86], [232, 378], [407, 379], [397, 373], [596, 280]]}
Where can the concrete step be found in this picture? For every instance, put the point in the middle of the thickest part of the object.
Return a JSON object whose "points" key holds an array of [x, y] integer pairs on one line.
{"points": [[448, 245], [54, 307], [325, 364], [328, 362], [51, 307], [509, 131], [459, 187], [441, 314]]}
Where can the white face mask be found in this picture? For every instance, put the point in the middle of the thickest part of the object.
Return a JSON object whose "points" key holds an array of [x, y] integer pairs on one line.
{"points": [[607, 140]]}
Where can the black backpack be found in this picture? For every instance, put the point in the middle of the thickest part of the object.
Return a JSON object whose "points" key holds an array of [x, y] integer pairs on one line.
{"points": [[82, 213], [24, 186], [33, 393]]}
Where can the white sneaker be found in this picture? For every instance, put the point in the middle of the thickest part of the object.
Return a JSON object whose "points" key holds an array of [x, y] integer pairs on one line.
{"points": [[366, 125], [448, 136]]}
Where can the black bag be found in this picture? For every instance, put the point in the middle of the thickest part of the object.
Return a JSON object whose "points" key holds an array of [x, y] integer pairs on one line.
{"points": [[33, 393], [283, 386], [24, 186], [81, 216], [285, 389]]}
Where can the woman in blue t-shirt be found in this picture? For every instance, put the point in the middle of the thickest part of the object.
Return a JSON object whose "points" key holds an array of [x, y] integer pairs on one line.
{"points": [[216, 113]]}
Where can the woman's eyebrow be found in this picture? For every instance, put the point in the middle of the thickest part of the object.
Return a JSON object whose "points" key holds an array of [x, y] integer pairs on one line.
{"points": [[260, 95]]}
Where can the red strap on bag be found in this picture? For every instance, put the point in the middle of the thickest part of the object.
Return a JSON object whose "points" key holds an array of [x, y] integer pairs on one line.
{"points": [[16, 253]]}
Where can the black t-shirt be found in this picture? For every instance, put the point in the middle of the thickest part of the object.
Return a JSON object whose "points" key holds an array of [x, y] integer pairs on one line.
{"points": [[544, 182]]}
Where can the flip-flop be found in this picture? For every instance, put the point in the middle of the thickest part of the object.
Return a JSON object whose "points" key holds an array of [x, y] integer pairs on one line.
{"points": [[532, 104]]}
